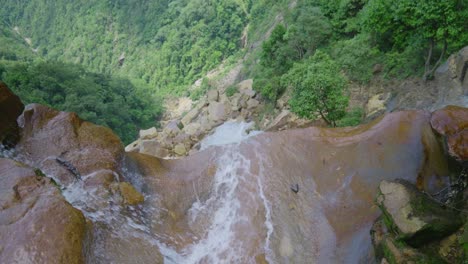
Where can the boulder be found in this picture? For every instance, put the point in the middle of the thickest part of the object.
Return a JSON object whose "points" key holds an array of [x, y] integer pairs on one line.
{"points": [[235, 102], [245, 87], [190, 116], [389, 250], [377, 105], [280, 121], [213, 95], [217, 112], [134, 146], [148, 133], [252, 104], [451, 122], [153, 148], [416, 218], [130, 195], [172, 128], [66, 140], [192, 129], [37, 225], [10, 108], [180, 149], [458, 65]]}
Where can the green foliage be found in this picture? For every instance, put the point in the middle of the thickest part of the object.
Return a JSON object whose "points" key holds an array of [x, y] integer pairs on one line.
{"points": [[352, 118], [434, 19], [101, 99], [268, 86], [318, 89], [356, 57], [231, 90], [276, 54], [402, 23], [200, 91], [168, 44]]}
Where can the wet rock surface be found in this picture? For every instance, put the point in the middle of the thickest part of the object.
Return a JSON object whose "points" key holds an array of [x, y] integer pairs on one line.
{"points": [[452, 123], [231, 202], [37, 225]]}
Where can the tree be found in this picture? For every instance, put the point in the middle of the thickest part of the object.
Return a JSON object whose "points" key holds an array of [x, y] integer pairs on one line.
{"points": [[436, 22], [318, 89]]}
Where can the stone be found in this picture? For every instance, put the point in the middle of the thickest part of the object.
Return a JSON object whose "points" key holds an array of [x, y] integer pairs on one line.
{"points": [[414, 216], [184, 139], [212, 95], [235, 102], [388, 250], [190, 116], [130, 195], [458, 64], [280, 121], [153, 148], [217, 112], [172, 128], [148, 133], [37, 225], [252, 104], [377, 105], [134, 146], [10, 108], [192, 129], [180, 149], [451, 122], [245, 87], [48, 134]]}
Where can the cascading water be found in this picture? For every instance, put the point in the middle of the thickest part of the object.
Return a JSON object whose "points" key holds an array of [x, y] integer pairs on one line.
{"points": [[297, 196], [221, 218]]}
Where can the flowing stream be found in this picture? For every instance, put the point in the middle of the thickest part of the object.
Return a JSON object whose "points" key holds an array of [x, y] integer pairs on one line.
{"points": [[246, 211], [221, 218]]}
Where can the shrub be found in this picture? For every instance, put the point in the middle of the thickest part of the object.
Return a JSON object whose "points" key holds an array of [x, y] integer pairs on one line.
{"points": [[231, 90], [351, 118], [318, 89]]}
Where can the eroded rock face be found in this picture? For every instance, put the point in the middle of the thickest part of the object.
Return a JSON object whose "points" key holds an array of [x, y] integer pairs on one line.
{"points": [[337, 172], [452, 123], [85, 160], [37, 225], [10, 108], [417, 218], [60, 143]]}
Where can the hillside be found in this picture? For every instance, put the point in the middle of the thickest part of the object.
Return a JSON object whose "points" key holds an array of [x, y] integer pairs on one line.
{"points": [[162, 47]]}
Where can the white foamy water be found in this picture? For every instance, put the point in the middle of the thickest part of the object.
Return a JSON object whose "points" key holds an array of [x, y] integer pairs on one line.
{"points": [[229, 133], [227, 206]]}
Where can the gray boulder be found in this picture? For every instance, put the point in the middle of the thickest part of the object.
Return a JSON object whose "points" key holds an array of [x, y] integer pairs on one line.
{"points": [[415, 217]]}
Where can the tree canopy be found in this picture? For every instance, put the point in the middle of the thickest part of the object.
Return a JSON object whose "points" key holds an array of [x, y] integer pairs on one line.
{"points": [[319, 89], [101, 99], [405, 21]]}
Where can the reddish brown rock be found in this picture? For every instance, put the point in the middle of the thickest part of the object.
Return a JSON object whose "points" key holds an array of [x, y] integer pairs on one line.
{"points": [[67, 143], [337, 172], [37, 225], [129, 194], [452, 123], [10, 108]]}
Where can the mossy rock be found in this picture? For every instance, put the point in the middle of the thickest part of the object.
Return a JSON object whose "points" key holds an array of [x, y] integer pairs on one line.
{"points": [[415, 217], [388, 246]]}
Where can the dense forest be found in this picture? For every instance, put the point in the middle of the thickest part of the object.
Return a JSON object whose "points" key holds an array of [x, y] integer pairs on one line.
{"points": [[407, 38], [112, 61], [168, 44]]}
